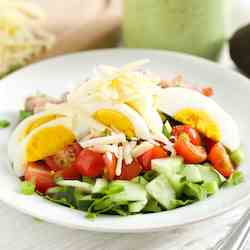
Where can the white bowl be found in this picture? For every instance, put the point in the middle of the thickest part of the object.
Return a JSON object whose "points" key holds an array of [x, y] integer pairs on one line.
{"points": [[232, 92]]}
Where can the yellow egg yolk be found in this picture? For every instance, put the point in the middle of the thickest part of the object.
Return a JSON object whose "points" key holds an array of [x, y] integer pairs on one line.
{"points": [[48, 141], [37, 123], [115, 119], [199, 120]]}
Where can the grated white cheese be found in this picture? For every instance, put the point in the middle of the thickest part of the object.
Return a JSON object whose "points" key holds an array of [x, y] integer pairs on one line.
{"points": [[109, 156], [118, 169], [168, 145], [105, 140], [142, 148], [127, 151], [163, 139], [115, 150], [102, 148], [117, 84]]}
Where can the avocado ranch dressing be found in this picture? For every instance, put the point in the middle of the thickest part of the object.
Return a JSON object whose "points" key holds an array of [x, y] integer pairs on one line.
{"points": [[192, 26]]}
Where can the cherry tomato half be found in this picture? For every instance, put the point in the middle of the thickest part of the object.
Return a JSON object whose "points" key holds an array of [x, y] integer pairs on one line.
{"points": [[193, 134], [221, 160], [130, 171], [110, 165], [90, 163], [63, 162], [154, 153], [40, 175], [192, 154]]}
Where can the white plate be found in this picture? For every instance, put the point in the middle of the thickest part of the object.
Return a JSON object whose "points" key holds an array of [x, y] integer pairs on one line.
{"points": [[55, 75]]}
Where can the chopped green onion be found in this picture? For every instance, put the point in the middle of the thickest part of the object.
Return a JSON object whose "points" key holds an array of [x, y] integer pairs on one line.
{"points": [[24, 114], [4, 123], [27, 188]]}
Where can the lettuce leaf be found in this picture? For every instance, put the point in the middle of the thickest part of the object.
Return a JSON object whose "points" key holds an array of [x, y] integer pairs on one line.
{"points": [[152, 206], [150, 175]]}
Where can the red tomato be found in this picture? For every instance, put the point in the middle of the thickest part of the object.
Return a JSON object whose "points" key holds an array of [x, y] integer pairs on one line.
{"points": [[154, 153], [207, 91], [42, 177], [221, 160], [192, 154], [90, 163], [63, 162], [193, 134], [110, 166], [130, 171]]}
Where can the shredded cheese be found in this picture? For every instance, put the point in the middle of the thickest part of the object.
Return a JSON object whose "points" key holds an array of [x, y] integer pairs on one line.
{"points": [[112, 139], [102, 148], [142, 148], [117, 85], [109, 156], [127, 151], [118, 169], [163, 139], [115, 150]]}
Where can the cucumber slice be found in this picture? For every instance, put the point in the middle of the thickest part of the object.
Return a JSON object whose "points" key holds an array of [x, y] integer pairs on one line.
{"points": [[209, 174], [100, 184], [137, 206], [177, 183], [205, 173], [167, 166], [192, 173], [211, 187], [83, 186], [162, 191], [131, 192]]}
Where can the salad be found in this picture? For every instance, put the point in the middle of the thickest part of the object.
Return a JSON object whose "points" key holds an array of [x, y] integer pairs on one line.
{"points": [[126, 142]]}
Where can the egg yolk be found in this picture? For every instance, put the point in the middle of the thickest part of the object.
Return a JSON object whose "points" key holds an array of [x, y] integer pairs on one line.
{"points": [[48, 141], [115, 119], [200, 120], [37, 123]]}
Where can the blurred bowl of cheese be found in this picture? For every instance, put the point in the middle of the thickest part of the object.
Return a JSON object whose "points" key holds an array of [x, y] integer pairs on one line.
{"points": [[21, 34], [31, 30]]}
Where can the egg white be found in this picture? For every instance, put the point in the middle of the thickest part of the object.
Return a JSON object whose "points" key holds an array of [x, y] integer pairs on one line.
{"points": [[145, 107], [174, 99]]}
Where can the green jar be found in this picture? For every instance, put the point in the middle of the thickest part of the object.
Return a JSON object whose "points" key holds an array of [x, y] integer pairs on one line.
{"points": [[191, 26]]}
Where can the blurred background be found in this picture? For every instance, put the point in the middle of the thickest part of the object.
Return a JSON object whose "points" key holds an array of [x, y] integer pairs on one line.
{"points": [[31, 30]]}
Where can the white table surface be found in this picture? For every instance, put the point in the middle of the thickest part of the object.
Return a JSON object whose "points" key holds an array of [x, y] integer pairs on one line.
{"points": [[22, 232]]}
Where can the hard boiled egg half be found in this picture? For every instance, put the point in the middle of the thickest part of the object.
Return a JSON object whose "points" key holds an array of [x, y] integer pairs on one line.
{"points": [[37, 137], [120, 117], [200, 112]]}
